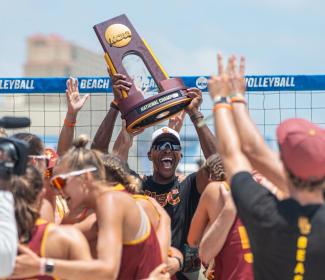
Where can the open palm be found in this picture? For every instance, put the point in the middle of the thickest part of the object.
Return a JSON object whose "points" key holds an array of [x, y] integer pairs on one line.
{"points": [[74, 101]]}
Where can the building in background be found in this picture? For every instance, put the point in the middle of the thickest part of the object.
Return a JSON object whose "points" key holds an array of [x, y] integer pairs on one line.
{"points": [[51, 55]]}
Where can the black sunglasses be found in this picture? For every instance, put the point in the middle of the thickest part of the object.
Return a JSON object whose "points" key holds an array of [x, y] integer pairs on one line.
{"points": [[160, 146]]}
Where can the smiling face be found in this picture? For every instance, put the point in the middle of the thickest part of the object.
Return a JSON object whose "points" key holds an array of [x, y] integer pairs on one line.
{"points": [[165, 155], [74, 188]]}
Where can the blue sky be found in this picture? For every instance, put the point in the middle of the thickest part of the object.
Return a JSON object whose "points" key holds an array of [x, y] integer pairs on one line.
{"points": [[276, 36]]}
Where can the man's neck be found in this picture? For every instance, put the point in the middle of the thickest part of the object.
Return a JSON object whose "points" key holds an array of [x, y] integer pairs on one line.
{"points": [[305, 197], [162, 180]]}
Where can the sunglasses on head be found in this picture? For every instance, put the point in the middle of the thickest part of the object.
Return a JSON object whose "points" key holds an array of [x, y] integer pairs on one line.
{"points": [[60, 181], [160, 146], [35, 158]]}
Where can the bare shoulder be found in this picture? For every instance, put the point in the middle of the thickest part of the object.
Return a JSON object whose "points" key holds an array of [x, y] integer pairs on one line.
{"points": [[147, 205], [62, 240], [118, 195], [150, 210], [65, 233], [112, 199], [212, 191]]}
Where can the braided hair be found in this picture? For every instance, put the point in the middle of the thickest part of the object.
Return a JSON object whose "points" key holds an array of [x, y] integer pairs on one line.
{"points": [[118, 171], [214, 166]]}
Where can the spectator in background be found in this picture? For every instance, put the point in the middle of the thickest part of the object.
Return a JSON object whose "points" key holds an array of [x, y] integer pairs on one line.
{"points": [[286, 235]]}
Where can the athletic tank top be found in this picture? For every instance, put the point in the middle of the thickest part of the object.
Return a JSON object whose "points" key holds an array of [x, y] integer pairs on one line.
{"points": [[141, 255], [235, 260], [37, 244]]}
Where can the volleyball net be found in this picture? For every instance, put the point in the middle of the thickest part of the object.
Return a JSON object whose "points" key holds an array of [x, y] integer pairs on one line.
{"points": [[271, 99]]}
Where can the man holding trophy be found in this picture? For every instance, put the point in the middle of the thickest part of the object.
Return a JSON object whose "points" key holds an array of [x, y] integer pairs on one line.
{"points": [[179, 198]]}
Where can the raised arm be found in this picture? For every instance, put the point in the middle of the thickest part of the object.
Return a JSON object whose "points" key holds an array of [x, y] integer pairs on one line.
{"points": [[74, 102], [206, 138], [253, 145], [208, 141], [207, 211], [124, 142], [215, 237], [228, 141], [104, 133]]}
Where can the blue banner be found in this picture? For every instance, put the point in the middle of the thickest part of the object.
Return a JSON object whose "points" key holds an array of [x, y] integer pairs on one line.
{"points": [[103, 84]]}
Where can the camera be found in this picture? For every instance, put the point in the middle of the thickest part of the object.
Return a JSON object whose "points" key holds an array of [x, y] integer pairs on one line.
{"points": [[13, 157], [13, 152]]}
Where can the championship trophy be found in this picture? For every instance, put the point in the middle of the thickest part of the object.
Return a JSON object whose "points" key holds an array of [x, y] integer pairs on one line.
{"points": [[120, 40]]}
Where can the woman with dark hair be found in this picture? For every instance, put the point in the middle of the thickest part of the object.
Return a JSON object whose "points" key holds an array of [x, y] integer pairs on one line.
{"points": [[38, 158], [45, 239]]}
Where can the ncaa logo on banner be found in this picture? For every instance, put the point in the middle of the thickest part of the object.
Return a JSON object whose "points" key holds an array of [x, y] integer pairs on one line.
{"points": [[202, 83]]}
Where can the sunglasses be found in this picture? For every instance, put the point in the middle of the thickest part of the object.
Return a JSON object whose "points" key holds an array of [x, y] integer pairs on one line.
{"points": [[59, 181], [35, 158], [160, 146]]}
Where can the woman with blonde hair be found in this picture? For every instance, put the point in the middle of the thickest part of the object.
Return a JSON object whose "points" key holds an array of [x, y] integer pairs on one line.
{"points": [[127, 246], [118, 171]]}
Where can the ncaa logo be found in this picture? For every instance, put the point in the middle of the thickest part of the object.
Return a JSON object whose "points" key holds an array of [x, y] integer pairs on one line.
{"points": [[202, 82]]}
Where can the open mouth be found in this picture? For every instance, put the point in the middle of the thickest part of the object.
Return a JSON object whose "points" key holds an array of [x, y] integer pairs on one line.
{"points": [[167, 162]]}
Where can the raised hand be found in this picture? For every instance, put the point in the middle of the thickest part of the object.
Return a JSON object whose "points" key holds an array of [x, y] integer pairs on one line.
{"points": [[176, 122], [219, 85], [196, 102], [74, 101], [236, 75], [121, 86]]}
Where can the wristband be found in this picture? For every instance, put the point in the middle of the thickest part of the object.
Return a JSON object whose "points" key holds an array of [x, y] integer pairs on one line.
{"points": [[68, 123], [238, 98], [196, 116], [179, 262], [222, 105], [114, 105], [221, 99]]}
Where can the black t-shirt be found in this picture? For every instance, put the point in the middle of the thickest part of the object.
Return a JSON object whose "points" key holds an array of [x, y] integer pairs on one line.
{"points": [[273, 231], [180, 200]]}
